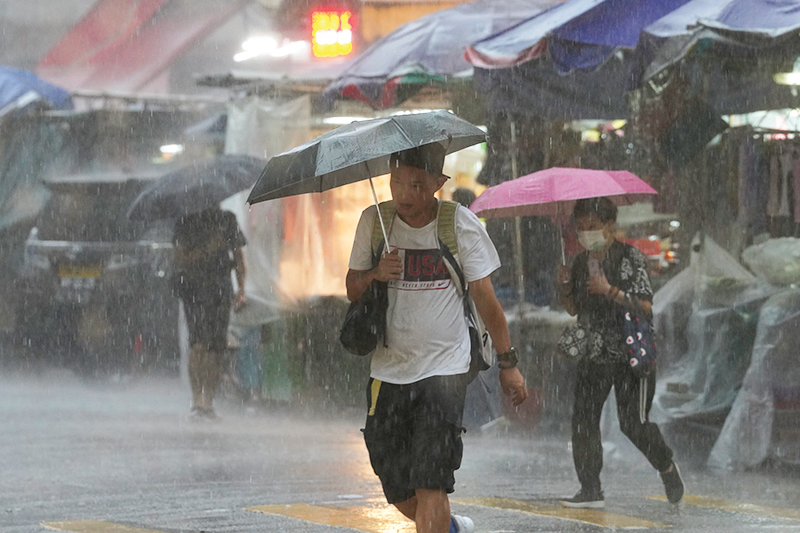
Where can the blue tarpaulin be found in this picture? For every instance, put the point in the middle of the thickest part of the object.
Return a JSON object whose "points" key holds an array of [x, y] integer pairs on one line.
{"points": [[577, 34], [20, 90]]}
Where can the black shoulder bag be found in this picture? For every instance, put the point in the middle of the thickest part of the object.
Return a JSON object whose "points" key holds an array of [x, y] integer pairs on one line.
{"points": [[365, 321]]}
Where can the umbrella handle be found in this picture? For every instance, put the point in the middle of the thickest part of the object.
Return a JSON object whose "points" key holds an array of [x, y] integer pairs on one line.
{"points": [[383, 228]]}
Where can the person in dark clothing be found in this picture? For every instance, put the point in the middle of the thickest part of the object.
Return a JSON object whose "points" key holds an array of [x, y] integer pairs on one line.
{"points": [[207, 245], [604, 279]]}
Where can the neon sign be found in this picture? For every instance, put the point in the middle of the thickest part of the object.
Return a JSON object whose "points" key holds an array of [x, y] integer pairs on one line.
{"points": [[331, 33]]}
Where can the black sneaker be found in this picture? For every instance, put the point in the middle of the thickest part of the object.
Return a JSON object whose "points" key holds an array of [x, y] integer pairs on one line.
{"points": [[673, 483], [585, 500]]}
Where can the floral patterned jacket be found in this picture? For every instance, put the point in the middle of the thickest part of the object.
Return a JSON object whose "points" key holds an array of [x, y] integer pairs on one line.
{"points": [[625, 267]]}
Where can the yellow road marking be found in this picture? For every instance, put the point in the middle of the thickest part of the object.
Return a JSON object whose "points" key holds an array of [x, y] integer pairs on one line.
{"points": [[590, 516], [383, 519], [737, 507], [95, 526]]}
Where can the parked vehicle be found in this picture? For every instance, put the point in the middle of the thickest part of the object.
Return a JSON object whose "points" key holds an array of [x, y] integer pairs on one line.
{"points": [[94, 285]]}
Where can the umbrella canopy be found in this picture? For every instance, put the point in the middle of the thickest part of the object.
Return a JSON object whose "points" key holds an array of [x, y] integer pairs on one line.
{"points": [[195, 187], [359, 151], [426, 49], [550, 192], [21, 89]]}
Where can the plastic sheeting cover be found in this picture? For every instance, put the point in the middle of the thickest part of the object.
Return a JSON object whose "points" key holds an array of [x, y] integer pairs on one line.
{"points": [[706, 320], [263, 128], [777, 260], [772, 381]]}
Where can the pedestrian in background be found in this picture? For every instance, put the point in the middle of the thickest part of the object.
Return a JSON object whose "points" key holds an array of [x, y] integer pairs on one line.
{"points": [[418, 380], [207, 245], [464, 196], [607, 277]]}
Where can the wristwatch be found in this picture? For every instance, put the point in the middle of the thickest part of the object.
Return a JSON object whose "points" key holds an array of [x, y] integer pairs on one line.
{"points": [[508, 359]]}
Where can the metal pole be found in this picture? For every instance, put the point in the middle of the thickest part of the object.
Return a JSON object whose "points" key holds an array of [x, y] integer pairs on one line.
{"points": [[560, 233], [518, 262]]}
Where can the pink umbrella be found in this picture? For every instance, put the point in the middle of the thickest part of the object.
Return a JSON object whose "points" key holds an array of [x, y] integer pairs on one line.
{"points": [[553, 191]]}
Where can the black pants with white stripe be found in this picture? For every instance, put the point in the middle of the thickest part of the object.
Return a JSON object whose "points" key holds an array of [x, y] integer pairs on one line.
{"points": [[591, 390]]}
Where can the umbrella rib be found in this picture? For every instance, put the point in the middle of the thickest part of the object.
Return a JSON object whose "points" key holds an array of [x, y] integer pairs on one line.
{"points": [[403, 132]]}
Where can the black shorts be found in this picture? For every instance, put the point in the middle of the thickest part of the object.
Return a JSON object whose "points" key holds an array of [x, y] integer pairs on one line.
{"points": [[207, 320], [413, 434]]}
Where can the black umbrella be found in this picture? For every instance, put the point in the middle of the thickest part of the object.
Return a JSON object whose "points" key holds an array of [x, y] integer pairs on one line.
{"points": [[359, 151], [195, 187]]}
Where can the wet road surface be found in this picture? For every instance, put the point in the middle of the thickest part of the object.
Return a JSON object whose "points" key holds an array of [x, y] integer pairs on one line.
{"points": [[121, 456]]}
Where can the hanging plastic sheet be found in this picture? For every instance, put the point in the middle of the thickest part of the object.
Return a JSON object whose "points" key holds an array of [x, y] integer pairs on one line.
{"points": [[764, 417], [263, 128], [706, 321]]}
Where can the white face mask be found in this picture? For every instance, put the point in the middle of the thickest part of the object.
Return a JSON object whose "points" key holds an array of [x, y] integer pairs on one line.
{"points": [[593, 241]]}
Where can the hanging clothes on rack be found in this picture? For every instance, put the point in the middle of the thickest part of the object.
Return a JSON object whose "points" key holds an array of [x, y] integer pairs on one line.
{"points": [[781, 203], [753, 187]]}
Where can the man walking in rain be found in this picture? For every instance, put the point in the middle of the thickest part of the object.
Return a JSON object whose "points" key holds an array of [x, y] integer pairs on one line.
{"points": [[418, 380], [207, 246]]}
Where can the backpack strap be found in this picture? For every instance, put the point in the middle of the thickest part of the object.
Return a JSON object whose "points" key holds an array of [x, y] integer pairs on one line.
{"points": [[448, 243], [446, 225]]}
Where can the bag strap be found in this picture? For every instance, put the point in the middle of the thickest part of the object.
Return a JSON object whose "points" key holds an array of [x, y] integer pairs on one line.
{"points": [[457, 275]]}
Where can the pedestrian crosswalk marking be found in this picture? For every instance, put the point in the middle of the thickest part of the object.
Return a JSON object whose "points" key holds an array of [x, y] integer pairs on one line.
{"points": [[94, 526], [590, 516], [737, 507], [372, 519]]}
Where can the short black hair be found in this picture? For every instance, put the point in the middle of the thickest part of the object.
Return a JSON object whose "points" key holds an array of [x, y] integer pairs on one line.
{"points": [[604, 209], [428, 157]]}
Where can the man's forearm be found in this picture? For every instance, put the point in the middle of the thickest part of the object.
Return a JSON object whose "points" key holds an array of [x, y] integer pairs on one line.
{"points": [[492, 313], [357, 282]]}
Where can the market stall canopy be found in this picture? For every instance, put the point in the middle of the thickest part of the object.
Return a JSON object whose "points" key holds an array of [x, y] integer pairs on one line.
{"points": [[577, 34], [589, 44], [732, 26], [21, 90], [430, 48], [727, 50]]}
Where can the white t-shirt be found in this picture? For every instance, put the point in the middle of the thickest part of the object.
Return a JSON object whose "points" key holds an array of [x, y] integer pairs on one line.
{"points": [[426, 329]]}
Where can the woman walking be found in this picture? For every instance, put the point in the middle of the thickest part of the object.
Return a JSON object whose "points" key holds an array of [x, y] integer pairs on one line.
{"points": [[608, 277]]}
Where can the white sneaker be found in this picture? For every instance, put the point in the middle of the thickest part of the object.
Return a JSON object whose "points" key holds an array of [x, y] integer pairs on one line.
{"points": [[463, 524]]}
